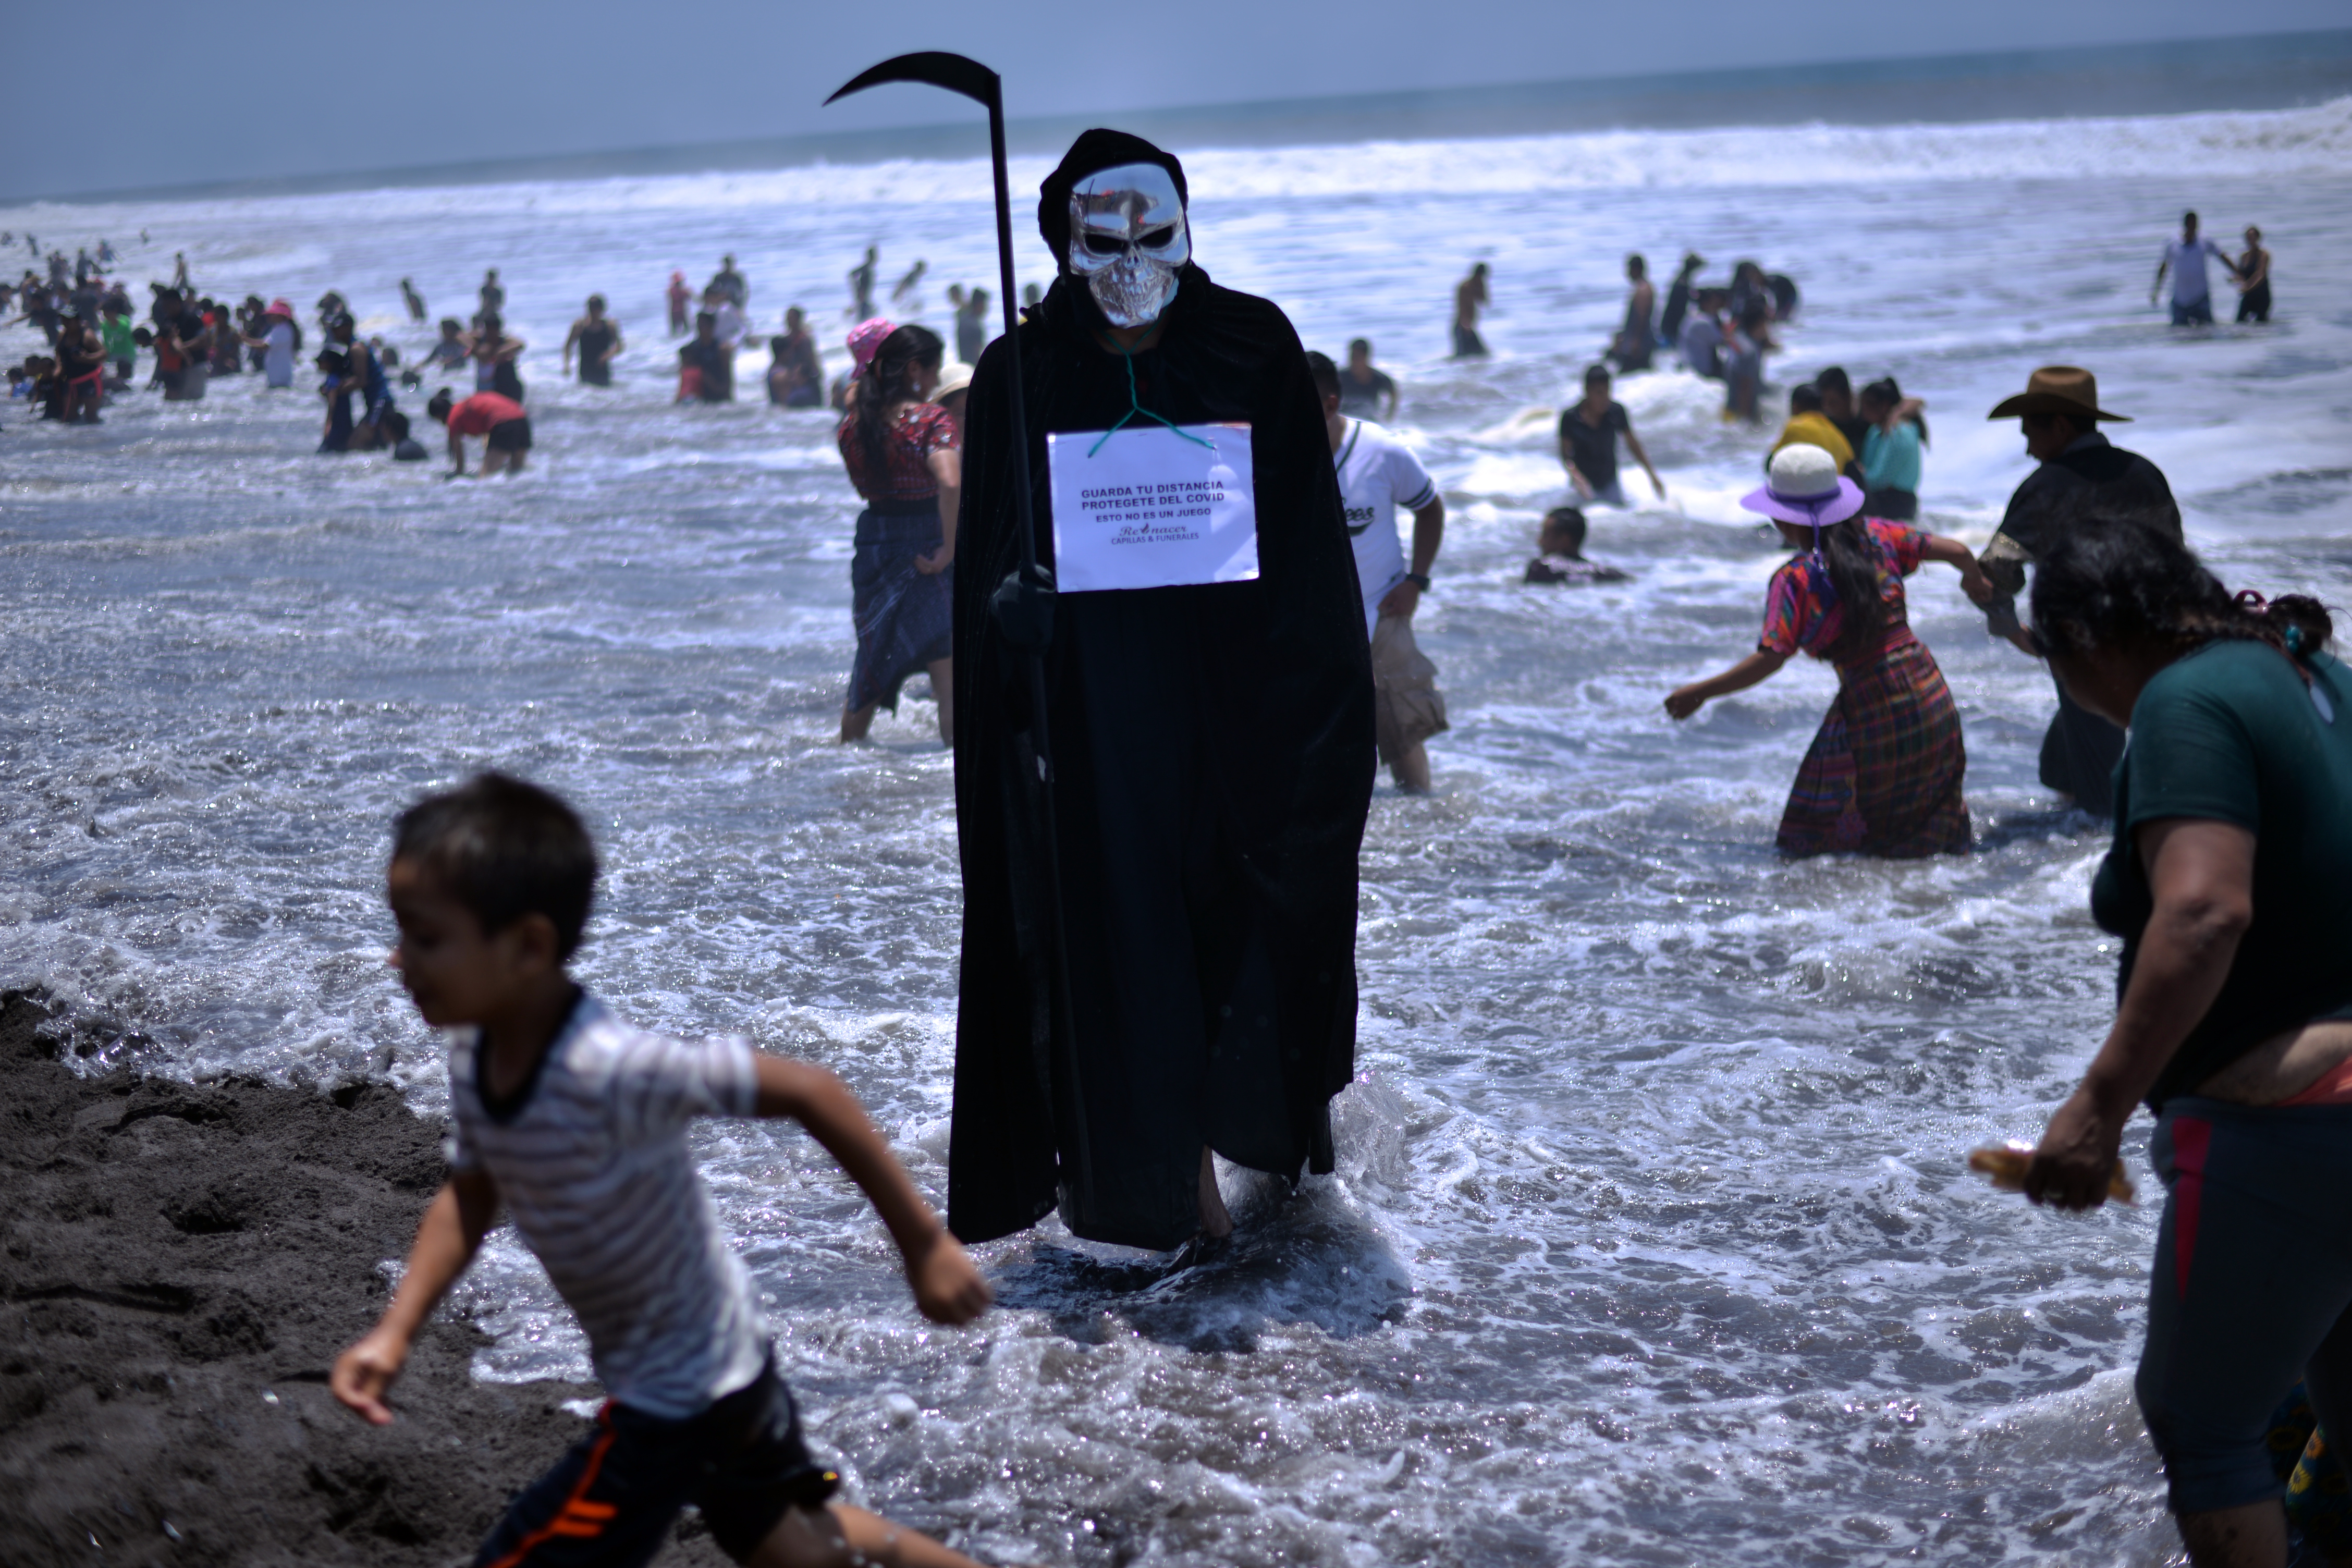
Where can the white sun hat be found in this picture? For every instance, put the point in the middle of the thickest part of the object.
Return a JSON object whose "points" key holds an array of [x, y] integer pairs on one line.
{"points": [[1805, 487]]}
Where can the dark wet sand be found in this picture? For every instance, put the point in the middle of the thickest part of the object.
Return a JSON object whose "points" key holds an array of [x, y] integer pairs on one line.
{"points": [[173, 1256]]}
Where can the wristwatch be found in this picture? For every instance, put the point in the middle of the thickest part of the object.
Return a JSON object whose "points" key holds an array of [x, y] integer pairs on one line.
{"points": [[1418, 581]]}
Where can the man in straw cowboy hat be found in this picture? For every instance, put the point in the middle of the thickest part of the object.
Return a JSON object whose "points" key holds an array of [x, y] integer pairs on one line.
{"points": [[2081, 476]]}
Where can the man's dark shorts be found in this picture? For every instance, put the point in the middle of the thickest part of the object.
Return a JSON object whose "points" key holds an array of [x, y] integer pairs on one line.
{"points": [[610, 1502], [2196, 313], [510, 435]]}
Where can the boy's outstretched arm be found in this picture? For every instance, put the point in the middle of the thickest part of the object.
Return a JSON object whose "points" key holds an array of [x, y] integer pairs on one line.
{"points": [[451, 1232], [948, 1286]]}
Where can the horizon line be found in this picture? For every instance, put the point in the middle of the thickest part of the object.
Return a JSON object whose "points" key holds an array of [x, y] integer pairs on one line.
{"points": [[2321, 57]]}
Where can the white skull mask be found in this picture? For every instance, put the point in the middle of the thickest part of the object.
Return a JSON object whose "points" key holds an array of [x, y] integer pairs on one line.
{"points": [[1129, 239]]}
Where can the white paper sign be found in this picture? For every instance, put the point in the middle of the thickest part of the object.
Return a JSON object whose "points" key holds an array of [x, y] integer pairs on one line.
{"points": [[1152, 509]]}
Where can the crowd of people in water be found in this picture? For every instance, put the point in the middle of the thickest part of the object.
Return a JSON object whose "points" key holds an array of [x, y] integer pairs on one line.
{"points": [[97, 333], [1845, 476], [1883, 776]]}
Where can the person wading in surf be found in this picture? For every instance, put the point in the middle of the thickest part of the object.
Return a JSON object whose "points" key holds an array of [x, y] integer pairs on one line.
{"points": [[1378, 474], [2081, 474], [598, 339], [1883, 776], [2226, 881], [1469, 298], [1212, 756]]}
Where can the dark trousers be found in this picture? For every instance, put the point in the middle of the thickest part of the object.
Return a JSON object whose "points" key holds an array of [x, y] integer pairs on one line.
{"points": [[2251, 1293], [2079, 756]]}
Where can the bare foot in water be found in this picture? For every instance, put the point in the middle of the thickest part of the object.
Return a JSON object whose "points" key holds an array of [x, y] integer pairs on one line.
{"points": [[1215, 1223]]}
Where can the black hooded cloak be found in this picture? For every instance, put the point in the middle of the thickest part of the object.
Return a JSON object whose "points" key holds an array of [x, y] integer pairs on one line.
{"points": [[1212, 764]]}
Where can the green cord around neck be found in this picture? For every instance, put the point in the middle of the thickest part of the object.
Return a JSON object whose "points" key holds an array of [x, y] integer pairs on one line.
{"points": [[1135, 406]]}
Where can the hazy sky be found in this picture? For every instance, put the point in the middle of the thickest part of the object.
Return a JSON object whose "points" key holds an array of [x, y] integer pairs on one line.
{"points": [[141, 94]]}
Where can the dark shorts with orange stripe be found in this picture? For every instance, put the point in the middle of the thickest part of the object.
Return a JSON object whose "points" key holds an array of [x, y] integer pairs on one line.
{"points": [[610, 1502], [2252, 1290]]}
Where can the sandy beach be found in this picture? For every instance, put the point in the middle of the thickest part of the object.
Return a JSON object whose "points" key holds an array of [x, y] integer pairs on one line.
{"points": [[183, 1264]]}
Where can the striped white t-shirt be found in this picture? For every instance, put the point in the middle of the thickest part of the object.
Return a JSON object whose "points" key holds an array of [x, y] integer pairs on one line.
{"points": [[592, 1165]]}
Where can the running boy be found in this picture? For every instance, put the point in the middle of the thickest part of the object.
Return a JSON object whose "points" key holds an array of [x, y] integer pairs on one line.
{"points": [[576, 1123]]}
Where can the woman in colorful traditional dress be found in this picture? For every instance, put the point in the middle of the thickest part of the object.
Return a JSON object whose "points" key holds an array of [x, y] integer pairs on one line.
{"points": [[1883, 774], [904, 454]]}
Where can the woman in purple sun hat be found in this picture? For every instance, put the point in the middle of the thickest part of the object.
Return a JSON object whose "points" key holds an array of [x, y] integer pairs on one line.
{"points": [[1883, 774]]}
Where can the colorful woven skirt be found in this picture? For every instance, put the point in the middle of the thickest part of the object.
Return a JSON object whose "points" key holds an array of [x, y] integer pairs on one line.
{"points": [[1883, 774], [905, 620]]}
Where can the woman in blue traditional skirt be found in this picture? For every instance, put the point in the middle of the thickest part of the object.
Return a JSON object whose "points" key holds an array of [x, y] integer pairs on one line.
{"points": [[1883, 774], [903, 455]]}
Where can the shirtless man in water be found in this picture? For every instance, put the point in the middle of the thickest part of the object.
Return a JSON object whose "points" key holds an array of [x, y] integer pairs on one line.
{"points": [[861, 285], [598, 339], [1469, 296], [1638, 337], [2254, 278]]}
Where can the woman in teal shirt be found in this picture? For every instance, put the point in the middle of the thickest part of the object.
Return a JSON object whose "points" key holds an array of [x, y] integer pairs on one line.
{"points": [[2229, 880], [1890, 451]]}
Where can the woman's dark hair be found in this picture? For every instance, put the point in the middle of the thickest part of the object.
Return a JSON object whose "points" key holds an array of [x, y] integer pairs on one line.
{"points": [[2110, 583], [1886, 395], [1851, 557], [438, 410], [490, 326], [889, 377]]}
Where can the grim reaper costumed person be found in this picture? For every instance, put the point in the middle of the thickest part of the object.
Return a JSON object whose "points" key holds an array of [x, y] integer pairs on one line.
{"points": [[1211, 760]]}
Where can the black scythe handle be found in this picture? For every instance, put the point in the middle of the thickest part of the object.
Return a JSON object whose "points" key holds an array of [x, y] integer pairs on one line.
{"points": [[958, 74]]}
